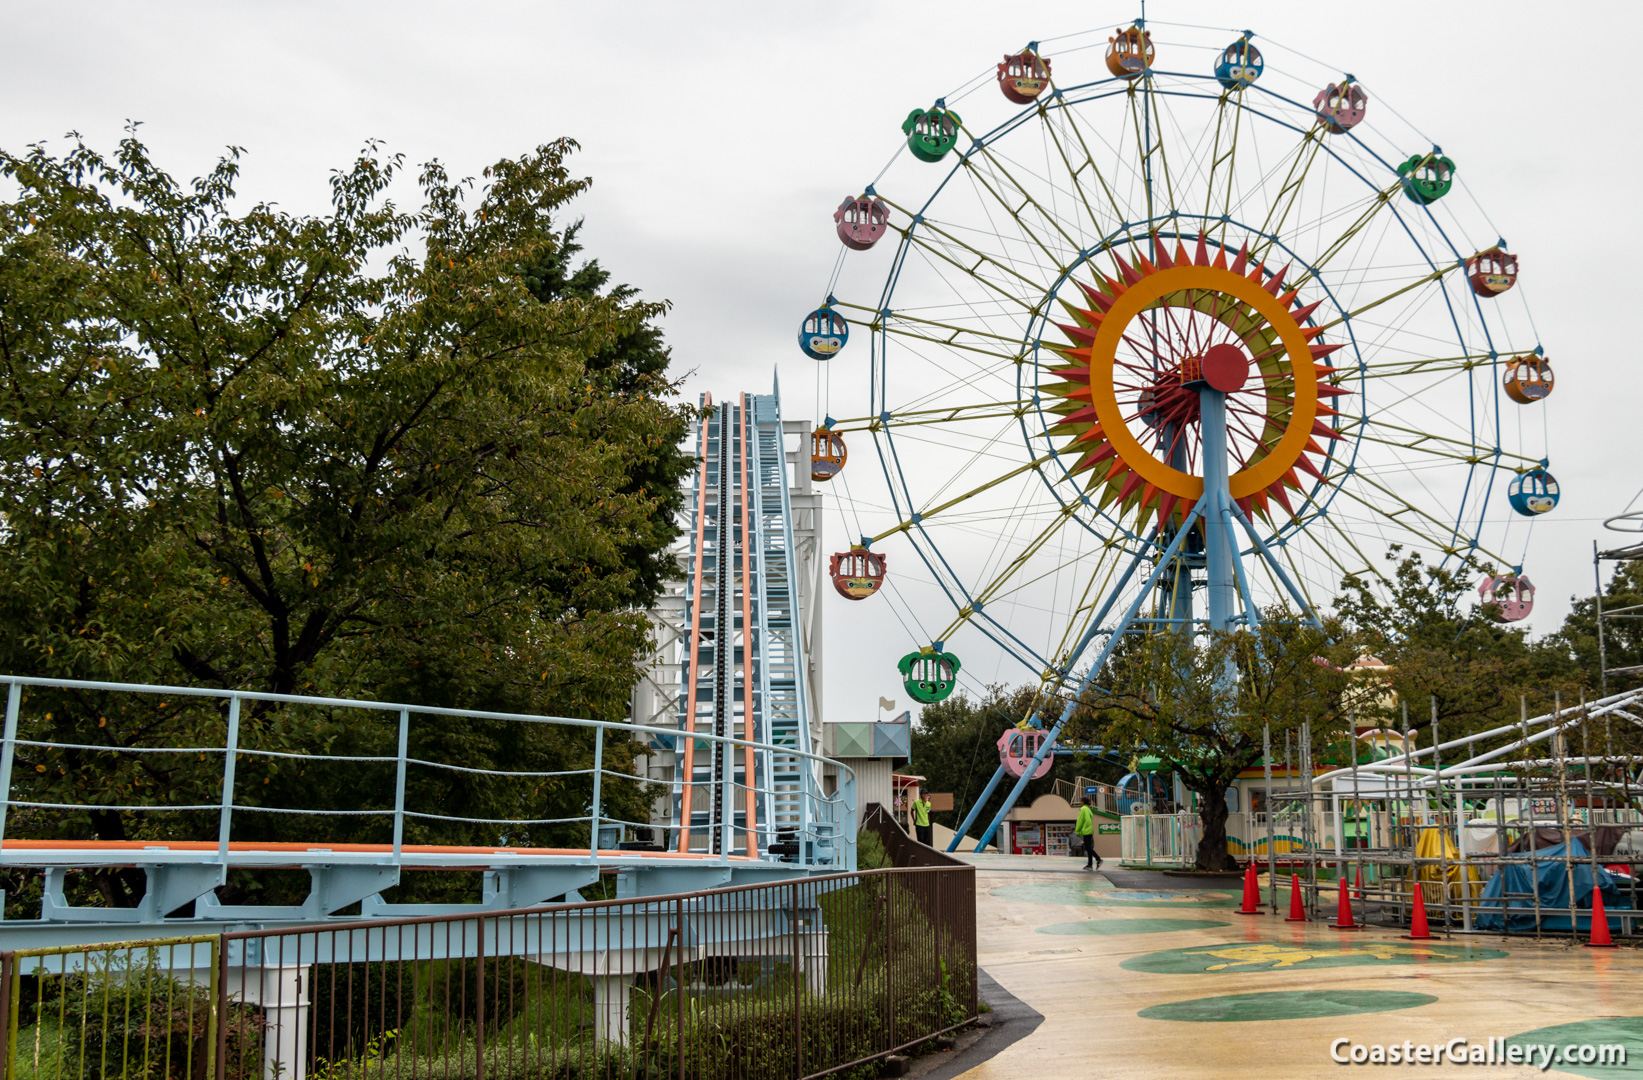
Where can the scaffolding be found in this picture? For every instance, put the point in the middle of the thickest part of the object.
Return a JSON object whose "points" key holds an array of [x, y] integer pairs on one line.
{"points": [[1624, 523], [1506, 830]]}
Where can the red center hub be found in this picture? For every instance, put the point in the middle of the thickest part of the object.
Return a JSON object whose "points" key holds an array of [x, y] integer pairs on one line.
{"points": [[1226, 368]]}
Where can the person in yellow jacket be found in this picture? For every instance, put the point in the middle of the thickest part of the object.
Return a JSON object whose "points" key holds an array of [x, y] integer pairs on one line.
{"points": [[921, 817], [1084, 829]]}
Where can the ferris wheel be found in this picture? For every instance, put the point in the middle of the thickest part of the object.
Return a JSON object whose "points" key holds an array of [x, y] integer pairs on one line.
{"points": [[1160, 340]]}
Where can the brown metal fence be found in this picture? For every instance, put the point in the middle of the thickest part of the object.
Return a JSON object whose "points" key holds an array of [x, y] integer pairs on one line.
{"points": [[783, 980]]}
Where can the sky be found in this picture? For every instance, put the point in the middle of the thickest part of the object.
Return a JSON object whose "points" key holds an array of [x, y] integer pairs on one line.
{"points": [[720, 136]]}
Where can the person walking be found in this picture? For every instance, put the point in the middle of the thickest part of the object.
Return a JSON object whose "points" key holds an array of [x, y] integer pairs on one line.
{"points": [[1084, 829], [921, 817]]}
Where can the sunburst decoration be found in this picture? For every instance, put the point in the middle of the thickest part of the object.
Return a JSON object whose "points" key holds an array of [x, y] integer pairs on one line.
{"points": [[1129, 402]]}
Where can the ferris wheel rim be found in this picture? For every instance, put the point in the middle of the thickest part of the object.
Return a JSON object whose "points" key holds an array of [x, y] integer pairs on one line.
{"points": [[1464, 531], [1481, 429]]}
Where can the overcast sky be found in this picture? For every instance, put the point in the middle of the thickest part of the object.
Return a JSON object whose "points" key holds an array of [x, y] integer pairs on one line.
{"points": [[721, 135]]}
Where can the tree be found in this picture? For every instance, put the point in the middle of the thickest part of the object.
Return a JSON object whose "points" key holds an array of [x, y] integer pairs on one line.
{"points": [[1470, 666], [1622, 636], [1201, 704], [264, 451]]}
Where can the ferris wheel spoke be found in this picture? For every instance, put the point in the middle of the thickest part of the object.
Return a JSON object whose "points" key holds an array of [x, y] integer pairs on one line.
{"points": [[925, 515], [1015, 211], [1428, 442], [1072, 123], [1405, 509], [946, 415], [1096, 225], [1436, 275], [983, 258], [1283, 204], [1368, 564], [1230, 157], [1110, 556], [1025, 304], [1380, 201], [1398, 369], [1155, 128], [994, 589], [998, 592], [952, 341], [1142, 156]]}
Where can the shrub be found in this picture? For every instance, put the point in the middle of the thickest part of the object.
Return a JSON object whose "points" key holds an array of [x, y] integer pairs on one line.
{"points": [[125, 1016]]}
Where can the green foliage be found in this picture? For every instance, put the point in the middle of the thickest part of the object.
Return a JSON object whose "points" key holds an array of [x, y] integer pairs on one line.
{"points": [[1202, 704], [870, 853], [406, 455], [1473, 667], [125, 1016], [888, 963], [1622, 637]]}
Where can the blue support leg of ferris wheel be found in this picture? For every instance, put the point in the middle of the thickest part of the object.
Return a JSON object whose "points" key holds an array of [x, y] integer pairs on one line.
{"points": [[1072, 658], [975, 808], [1048, 744], [1252, 613], [1271, 561], [1221, 588]]}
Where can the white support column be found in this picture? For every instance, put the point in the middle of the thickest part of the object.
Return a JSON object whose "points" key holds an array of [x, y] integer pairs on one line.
{"points": [[813, 959], [611, 994], [281, 991]]}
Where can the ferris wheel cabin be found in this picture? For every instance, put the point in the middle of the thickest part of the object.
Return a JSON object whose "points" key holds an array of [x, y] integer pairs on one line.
{"points": [[1023, 76]]}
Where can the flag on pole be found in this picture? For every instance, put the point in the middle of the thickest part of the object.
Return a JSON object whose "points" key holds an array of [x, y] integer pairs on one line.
{"points": [[887, 705]]}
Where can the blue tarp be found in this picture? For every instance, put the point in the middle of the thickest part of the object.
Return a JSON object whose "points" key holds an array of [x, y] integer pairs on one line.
{"points": [[1553, 891]]}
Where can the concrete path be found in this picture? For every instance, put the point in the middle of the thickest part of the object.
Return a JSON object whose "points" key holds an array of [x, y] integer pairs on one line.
{"points": [[1148, 983]]}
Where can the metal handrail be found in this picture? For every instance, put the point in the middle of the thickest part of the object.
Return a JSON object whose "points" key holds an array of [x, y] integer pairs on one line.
{"points": [[822, 823]]}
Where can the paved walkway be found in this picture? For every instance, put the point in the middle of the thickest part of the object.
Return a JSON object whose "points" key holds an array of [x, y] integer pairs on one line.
{"points": [[1146, 983]]}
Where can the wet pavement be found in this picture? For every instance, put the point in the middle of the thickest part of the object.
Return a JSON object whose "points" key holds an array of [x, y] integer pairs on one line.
{"points": [[1143, 974]]}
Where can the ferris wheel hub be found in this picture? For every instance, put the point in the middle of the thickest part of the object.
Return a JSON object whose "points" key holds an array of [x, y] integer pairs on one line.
{"points": [[1225, 368]]}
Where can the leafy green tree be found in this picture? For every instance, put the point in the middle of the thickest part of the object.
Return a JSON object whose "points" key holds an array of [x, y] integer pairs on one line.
{"points": [[1201, 704], [410, 455], [1622, 635], [1471, 666]]}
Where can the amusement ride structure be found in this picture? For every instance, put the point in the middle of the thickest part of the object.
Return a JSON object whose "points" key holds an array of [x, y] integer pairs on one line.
{"points": [[1156, 343]]}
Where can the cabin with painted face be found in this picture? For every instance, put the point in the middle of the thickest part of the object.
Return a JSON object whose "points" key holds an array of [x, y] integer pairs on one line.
{"points": [[857, 573], [1528, 379], [929, 675], [1130, 53], [1239, 65], [1023, 76], [1340, 106], [823, 333], [861, 221], [1533, 493], [827, 453], [1491, 272]]}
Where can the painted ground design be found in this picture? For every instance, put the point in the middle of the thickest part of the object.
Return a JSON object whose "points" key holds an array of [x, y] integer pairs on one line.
{"points": [[1114, 927], [1627, 1031], [1080, 893], [1271, 956], [1285, 1005]]}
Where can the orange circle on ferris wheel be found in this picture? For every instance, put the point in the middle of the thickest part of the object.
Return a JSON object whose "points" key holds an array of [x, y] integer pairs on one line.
{"points": [[1136, 298]]}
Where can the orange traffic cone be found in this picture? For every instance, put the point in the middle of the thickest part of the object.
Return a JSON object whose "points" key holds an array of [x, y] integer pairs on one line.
{"points": [[1418, 930], [1343, 912], [1357, 892], [1600, 922], [1297, 913], [1252, 892]]}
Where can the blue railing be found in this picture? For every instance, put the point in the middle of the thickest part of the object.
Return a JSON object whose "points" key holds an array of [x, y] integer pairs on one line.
{"points": [[827, 839]]}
